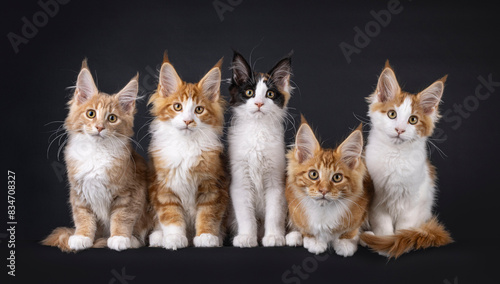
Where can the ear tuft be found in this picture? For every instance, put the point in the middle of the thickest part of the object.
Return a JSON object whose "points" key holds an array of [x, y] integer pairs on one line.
{"points": [[241, 69], [280, 74], [85, 86], [387, 86], [169, 80], [306, 144], [431, 97], [351, 149], [210, 83], [128, 94]]}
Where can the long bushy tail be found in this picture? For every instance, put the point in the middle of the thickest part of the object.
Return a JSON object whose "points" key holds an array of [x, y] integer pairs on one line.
{"points": [[60, 236], [430, 234]]}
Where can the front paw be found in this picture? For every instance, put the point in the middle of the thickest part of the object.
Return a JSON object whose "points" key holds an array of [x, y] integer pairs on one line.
{"points": [[294, 239], [313, 245], [79, 242], [273, 241], [174, 241], [156, 239], [206, 240], [119, 243], [345, 247], [245, 241]]}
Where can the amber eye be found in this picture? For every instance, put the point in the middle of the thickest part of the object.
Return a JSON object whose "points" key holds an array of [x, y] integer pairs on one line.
{"points": [[392, 114], [313, 174], [112, 118], [177, 107], [337, 177], [249, 93], [90, 113], [199, 109], [270, 95], [413, 119]]}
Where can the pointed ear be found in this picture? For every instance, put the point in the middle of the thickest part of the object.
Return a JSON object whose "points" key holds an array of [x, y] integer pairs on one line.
{"points": [[431, 97], [350, 150], [169, 80], [128, 94], [280, 74], [306, 143], [387, 86], [210, 83], [85, 86], [241, 69]]}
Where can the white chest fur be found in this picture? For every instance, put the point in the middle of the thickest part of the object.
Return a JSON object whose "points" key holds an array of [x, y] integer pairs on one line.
{"points": [[92, 160], [323, 220], [180, 152]]}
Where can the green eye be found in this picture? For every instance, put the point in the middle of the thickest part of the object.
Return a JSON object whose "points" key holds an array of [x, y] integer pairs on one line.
{"points": [[270, 94], [392, 114], [90, 113], [337, 178], [112, 118], [199, 109], [249, 93], [413, 119], [177, 107], [313, 174]]}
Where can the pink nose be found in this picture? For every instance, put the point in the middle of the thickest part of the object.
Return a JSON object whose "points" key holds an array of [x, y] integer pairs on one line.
{"points": [[188, 122], [400, 131], [99, 128], [323, 191], [259, 105]]}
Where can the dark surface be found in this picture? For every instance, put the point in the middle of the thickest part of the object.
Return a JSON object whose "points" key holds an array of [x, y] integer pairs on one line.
{"points": [[424, 41]]}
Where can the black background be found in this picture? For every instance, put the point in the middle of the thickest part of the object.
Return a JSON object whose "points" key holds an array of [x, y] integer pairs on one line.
{"points": [[423, 42]]}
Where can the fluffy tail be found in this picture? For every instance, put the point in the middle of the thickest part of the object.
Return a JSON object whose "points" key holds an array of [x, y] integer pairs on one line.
{"points": [[60, 236], [430, 234]]}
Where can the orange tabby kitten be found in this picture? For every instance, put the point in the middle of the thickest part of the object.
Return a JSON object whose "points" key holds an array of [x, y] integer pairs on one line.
{"points": [[189, 189], [328, 193], [107, 177]]}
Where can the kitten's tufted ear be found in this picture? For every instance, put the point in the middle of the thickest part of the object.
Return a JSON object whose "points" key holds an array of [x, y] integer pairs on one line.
{"points": [[350, 150], [387, 86], [210, 83], [169, 80], [241, 69], [431, 97], [128, 94], [280, 74], [306, 143], [85, 86]]}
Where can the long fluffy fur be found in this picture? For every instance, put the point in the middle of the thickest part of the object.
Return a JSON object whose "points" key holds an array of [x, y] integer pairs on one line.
{"points": [[430, 234]]}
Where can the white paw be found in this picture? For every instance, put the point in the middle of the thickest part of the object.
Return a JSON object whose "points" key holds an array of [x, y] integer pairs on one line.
{"points": [[156, 239], [273, 241], [119, 243], [78, 242], [294, 239], [314, 245], [206, 240], [245, 241], [174, 241], [345, 247]]}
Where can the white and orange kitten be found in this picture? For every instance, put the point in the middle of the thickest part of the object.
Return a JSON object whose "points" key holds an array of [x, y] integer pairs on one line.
{"points": [[401, 216], [257, 152]]}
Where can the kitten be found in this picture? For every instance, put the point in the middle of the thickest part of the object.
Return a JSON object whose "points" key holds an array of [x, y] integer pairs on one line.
{"points": [[328, 193], [257, 152], [189, 189], [396, 157], [107, 177]]}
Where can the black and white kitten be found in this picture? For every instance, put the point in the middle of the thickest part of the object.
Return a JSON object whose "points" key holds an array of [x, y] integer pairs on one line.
{"points": [[257, 152]]}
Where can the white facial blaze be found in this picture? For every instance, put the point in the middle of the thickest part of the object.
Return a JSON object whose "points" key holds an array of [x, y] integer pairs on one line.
{"points": [[260, 92], [188, 110], [404, 111]]}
